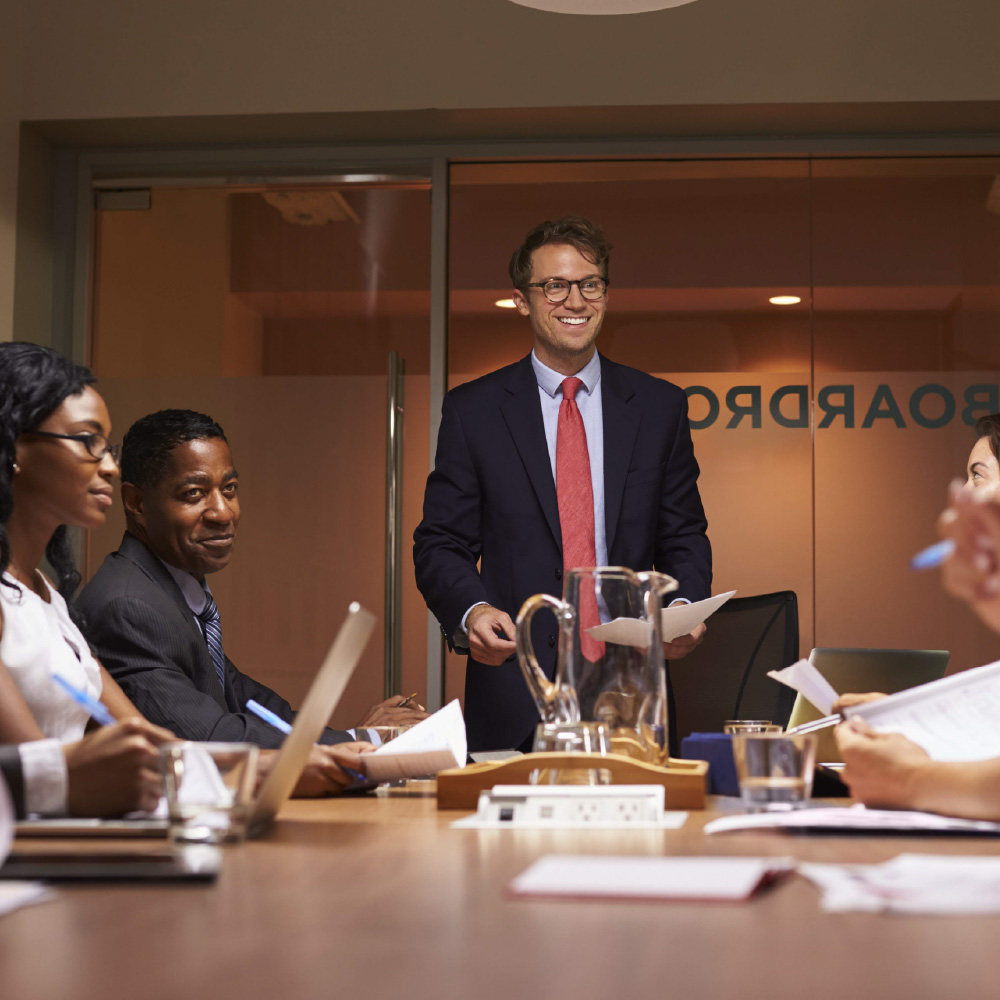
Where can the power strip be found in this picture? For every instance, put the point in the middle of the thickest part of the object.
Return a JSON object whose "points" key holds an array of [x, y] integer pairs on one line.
{"points": [[610, 806]]}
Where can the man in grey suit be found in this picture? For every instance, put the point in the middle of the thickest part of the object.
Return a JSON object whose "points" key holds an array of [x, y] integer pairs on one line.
{"points": [[150, 615]]}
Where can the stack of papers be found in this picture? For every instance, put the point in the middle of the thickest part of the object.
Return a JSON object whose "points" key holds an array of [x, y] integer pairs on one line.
{"points": [[844, 819], [572, 876], [911, 883], [433, 745], [675, 621]]}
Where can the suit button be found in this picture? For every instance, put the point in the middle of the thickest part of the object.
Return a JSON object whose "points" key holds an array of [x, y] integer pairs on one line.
{"points": [[552, 641], [558, 572]]}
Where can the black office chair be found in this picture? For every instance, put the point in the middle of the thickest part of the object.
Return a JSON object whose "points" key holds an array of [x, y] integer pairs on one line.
{"points": [[726, 676]]}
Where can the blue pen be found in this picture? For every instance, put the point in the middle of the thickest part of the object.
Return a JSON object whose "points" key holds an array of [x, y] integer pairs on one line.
{"points": [[96, 708], [279, 723], [269, 717], [933, 555]]}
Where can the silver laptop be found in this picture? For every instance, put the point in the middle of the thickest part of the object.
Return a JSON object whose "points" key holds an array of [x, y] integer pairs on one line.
{"points": [[857, 671], [323, 697]]}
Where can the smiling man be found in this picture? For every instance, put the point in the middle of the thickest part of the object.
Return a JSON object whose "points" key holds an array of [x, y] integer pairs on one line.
{"points": [[564, 459], [150, 613]]}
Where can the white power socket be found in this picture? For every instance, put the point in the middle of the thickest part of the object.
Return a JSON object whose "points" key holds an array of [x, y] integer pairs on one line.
{"points": [[572, 805]]}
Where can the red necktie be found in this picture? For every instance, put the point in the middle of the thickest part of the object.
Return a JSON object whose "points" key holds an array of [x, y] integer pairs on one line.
{"points": [[575, 494]]}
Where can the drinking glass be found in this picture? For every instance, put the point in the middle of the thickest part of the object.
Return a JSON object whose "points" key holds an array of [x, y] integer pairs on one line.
{"points": [[209, 789], [775, 771], [574, 737]]}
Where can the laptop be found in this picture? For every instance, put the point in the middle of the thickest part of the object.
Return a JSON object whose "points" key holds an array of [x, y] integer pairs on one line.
{"points": [[323, 697], [858, 671]]}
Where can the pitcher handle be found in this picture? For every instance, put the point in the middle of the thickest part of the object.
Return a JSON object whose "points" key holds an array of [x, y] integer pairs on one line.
{"points": [[544, 691]]}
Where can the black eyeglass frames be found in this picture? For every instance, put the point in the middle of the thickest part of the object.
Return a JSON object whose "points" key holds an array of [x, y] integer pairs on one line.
{"points": [[558, 289], [97, 445]]}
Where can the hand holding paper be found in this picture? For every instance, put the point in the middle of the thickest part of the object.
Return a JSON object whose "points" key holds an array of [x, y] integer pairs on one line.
{"points": [[675, 621]]}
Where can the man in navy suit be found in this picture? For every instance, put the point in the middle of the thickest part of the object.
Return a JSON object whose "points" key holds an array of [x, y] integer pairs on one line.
{"points": [[494, 497]]}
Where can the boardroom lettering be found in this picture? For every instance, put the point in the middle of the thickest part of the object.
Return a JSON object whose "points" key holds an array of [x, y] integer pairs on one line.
{"points": [[842, 405]]}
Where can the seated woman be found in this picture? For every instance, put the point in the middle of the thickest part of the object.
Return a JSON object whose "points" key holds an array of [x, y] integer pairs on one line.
{"points": [[889, 770], [56, 469]]}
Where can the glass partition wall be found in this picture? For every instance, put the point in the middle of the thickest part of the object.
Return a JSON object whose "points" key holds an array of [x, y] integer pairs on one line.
{"points": [[274, 310], [835, 326], [833, 321]]}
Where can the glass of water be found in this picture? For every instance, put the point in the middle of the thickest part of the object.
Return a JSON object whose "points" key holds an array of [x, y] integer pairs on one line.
{"points": [[575, 737], [775, 771]]}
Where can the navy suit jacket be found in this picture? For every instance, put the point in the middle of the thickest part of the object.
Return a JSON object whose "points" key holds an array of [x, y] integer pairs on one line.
{"points": [[491, 500], [144, 633]]}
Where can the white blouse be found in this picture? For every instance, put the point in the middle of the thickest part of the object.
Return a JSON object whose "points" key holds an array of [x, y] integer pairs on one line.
{"points": [[38, 640]]}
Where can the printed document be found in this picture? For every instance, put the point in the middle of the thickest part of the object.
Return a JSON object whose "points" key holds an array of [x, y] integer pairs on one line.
{"points": [[675, 621], [433, 745]]}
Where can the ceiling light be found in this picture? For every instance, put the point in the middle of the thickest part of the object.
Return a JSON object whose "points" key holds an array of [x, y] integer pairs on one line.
{"points": [[504, 303], [600, 6], [784, 300]]}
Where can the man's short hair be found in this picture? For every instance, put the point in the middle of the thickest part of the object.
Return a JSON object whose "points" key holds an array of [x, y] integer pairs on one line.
{"points": [[148, 443], [989, 427], [572, 230]]}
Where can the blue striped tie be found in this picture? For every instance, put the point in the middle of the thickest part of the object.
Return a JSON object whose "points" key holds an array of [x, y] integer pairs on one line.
{"points": [[211, 625]]}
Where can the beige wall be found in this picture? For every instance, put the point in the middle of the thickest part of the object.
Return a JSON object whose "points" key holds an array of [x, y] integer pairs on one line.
{"points": [[107, 59]]}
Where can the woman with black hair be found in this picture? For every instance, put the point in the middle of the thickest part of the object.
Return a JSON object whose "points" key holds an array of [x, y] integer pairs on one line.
{"points": [[56, 470]]}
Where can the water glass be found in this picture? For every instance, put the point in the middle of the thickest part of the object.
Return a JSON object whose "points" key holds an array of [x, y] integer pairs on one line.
{"points": [[575, 737], [210, 789], [732, 726], [775, 771]]}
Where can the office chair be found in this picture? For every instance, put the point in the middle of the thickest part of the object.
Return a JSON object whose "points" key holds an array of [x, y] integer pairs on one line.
{"points": [[726, 676]]}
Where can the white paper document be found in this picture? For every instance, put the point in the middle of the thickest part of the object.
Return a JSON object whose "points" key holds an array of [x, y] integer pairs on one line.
{"points": [[14, 894], [805, 679], [946, 885], [852, 818], [433, 745], [683, 879], [953, 719], [675, 621]]}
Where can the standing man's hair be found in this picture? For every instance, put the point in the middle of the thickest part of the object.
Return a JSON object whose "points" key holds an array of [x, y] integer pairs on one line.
{"points": [[148, 443], [989, 427], [572, 230]]}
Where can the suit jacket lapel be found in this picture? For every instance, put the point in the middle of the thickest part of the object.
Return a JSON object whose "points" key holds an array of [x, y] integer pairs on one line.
{"points": [[522, 411], [135, 551], [621, 424]]}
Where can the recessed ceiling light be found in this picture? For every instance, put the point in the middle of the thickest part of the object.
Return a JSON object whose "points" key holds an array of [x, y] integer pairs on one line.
{"points": [[784, 300], [601, 6], [504, 303]]}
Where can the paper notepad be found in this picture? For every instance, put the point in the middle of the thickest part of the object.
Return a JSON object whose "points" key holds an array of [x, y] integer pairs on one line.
{"points": [[684, 879], [675, 621], [433, 745]]}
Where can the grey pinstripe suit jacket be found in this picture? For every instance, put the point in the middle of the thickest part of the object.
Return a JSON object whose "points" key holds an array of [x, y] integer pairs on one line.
{"points": [[142, 630]]}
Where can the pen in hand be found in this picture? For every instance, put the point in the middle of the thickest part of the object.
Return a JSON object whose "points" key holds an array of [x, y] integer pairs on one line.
{"points": [[406, 701], [357, 778], [98, 712]]}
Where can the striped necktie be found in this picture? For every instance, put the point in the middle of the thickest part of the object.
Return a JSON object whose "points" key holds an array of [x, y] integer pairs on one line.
{"points": [[211, 625]]}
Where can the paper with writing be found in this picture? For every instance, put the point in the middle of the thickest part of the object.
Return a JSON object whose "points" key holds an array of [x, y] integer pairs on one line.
{"points": [[910, 884], [953, 719], [608, 877], [804, 678], [436, 743], [852, 818], [677, 620]]}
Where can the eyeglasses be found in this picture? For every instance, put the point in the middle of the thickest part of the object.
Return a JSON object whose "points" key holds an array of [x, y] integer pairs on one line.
{"points": [[558, 289], [97, 445]]}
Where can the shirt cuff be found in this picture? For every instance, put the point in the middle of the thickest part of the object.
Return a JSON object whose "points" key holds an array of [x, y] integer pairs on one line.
{"points": [[460, 638], [46, 781], [678, 600]]}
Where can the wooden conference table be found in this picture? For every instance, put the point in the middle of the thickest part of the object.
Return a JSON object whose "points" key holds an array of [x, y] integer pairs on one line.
{"points": [[375, 897]]}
